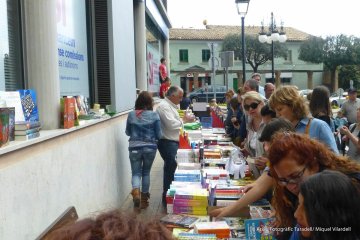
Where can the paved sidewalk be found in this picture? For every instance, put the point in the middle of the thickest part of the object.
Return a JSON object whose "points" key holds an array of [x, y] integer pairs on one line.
{"points": [[155, 208]]}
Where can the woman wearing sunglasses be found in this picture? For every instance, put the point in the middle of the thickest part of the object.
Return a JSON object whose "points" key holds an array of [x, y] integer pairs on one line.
{"points": [[293, 158], [323, 198], [287, 103], [252, 104]]}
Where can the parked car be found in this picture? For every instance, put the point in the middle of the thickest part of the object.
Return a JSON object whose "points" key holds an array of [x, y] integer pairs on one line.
{"points": [[206, 93], [305, 92], [336, 100]]}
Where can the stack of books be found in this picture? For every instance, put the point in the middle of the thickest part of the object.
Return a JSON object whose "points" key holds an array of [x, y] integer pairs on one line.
{"points": [[26, 130], [177, 186], [196, 236], [220, 228], [177, 220], [191, 201], [187, 175]]}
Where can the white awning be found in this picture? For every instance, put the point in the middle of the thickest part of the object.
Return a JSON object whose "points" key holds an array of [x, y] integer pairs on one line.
{"points": [[282, 75]]}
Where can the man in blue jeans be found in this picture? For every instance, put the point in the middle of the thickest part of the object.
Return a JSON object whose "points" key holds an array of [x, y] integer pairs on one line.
{"points": [[171, 124]]}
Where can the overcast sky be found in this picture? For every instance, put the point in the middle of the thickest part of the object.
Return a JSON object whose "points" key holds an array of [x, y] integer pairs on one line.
{"points": [[316, 17]]}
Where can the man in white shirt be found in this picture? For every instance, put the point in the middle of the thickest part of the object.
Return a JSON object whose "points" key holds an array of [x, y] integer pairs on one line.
{"points": [[171, 124], [349, 107], [257, 77]]}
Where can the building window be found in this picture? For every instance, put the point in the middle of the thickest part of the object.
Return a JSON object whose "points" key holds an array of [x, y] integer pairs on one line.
{"points": [[11, 67], [183, 55], [72, 48], [289, 56], [286, 81], [205, 55]]}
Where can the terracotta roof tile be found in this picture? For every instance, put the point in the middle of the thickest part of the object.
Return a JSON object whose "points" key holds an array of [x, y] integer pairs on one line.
{"points": [[218, 32]]}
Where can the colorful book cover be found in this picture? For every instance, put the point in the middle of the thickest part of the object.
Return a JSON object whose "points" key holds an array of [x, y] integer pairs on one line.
{"points": [[12, 99], [259, 229], [82, 105], [179, 220], [4, 126], [69, 112], [11, 123], [29, 106]]}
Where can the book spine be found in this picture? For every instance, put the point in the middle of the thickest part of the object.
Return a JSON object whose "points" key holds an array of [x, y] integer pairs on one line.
{"points": [[26, 132], [28, 137], [187, 202], [193, 197], [190, 208]]}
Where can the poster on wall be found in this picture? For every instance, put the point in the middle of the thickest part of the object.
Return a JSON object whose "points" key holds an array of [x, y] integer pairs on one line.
{"points": [[153, 62], [72, 47]]}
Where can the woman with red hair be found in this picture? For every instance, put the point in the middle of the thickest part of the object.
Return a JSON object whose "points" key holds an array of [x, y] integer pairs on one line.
{"points": [[293, 158]]}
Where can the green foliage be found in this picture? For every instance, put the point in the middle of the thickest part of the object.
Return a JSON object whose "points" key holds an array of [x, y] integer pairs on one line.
{"points": [[256, 53], [311, 50], [347, 73], [338, 50]]}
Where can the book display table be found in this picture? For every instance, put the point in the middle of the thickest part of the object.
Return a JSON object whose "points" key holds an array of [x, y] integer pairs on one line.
{"points": [[211, 173]]}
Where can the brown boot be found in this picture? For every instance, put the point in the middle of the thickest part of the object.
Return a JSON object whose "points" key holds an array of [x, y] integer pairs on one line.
{"points": [[136, 197], [145, 200]]}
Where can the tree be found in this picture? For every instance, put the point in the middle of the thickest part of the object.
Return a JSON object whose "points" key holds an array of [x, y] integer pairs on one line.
{"points": [[256, 53], [334, 51], [312, 50], [347, 73]]}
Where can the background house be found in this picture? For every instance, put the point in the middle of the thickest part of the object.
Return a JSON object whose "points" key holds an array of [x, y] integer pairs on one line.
{"points": [[190, 53]]}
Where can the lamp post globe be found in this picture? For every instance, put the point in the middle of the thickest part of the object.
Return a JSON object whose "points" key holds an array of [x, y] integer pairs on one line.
{"points": [[273, 35], [242, 8]]}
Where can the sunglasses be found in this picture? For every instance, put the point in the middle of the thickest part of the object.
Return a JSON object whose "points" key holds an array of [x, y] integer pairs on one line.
{"points": [[253, 105]]}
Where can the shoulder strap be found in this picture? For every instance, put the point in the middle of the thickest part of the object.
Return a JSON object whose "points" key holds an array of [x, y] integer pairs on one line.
{"points": [[307, 128], [353, 127]]}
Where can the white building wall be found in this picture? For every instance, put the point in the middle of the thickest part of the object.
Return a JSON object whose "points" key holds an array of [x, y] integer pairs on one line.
{"points": [[88, 169]]}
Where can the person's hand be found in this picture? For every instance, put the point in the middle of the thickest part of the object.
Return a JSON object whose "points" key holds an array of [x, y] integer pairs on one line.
{"points": [[260, 162], [344, 130], [216, 212], [188, 118], [244, 152]]}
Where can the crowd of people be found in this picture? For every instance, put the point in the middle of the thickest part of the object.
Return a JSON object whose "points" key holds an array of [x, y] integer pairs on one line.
{"points": [[298, 165]]}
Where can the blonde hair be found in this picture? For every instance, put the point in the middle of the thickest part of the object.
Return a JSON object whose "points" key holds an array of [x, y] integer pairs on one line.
{"points": [[289, 96], [253, 96]]}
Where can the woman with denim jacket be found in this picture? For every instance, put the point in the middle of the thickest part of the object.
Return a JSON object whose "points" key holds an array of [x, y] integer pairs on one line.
{"points": [[143, 127]]}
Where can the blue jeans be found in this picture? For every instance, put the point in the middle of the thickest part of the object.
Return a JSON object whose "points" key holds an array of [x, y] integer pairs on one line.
{"points": [[141, 161], [168, 150]]}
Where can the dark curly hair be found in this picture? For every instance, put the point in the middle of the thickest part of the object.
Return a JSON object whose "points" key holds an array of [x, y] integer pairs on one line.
{"points": [[113, 225], [331, 199]]}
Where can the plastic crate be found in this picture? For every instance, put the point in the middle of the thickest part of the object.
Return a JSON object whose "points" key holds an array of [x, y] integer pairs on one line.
{"points": [[206, 122]]}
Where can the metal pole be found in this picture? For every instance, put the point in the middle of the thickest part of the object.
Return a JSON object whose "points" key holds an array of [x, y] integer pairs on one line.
{"points": [[243, 48], [213, 69], [272, 62], [227, 78], [272, 50]]}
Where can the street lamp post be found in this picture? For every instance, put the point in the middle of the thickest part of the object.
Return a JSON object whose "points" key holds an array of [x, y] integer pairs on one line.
{"points": [[242, 7], [272, 36]]}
